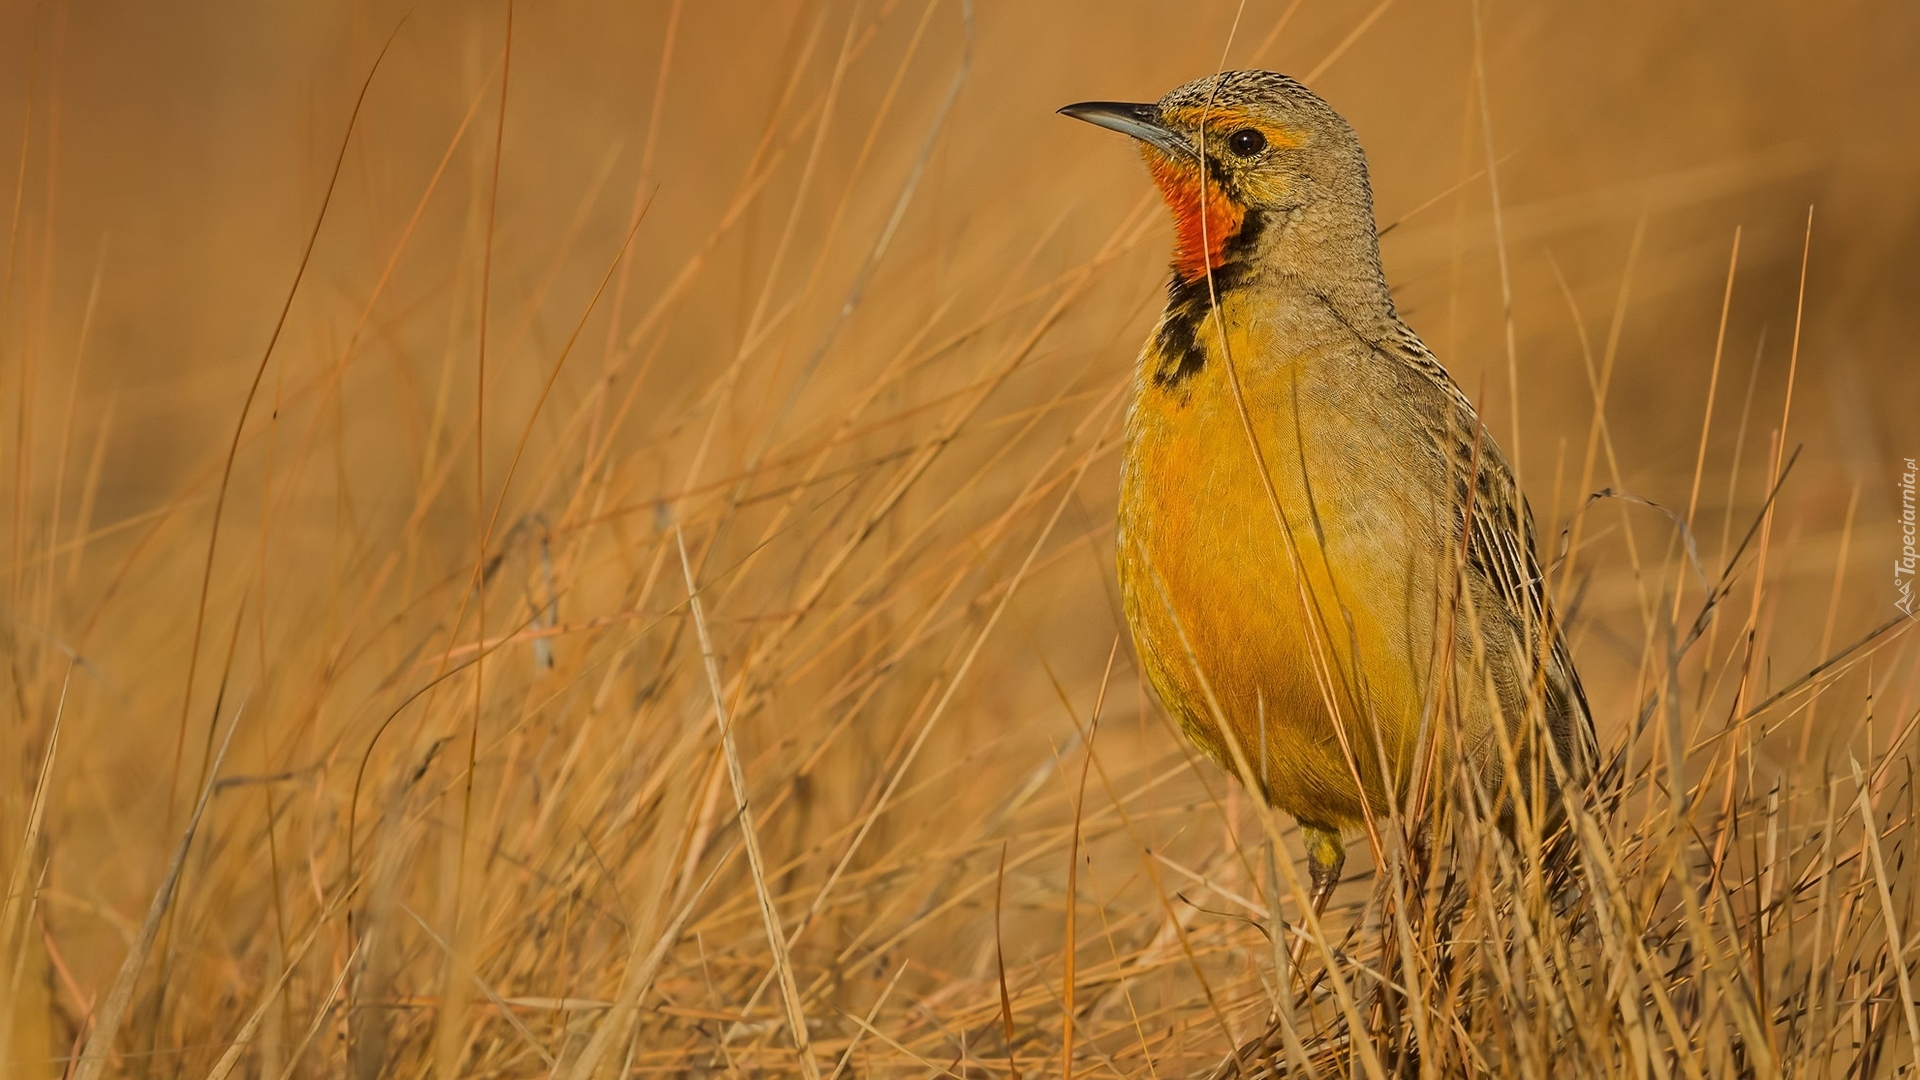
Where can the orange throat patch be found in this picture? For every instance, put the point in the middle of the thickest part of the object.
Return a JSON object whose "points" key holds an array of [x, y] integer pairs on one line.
{"points": [[1205, 217]]}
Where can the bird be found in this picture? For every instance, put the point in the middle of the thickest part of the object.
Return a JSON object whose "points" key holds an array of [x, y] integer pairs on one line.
{"points": [[1325, 562]]}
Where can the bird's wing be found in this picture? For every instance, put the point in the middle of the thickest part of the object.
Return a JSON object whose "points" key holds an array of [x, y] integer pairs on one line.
{"points": [[1500, 552]]}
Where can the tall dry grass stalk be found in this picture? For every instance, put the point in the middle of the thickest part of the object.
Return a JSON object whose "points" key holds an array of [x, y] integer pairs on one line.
{"points": [[365, 715]]}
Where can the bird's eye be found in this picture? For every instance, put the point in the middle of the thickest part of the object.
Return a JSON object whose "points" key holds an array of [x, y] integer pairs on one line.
{"points": [[1246, 142]]}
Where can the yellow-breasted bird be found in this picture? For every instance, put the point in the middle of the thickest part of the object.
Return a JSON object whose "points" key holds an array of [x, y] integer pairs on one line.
{"points": [[1303, 557]]}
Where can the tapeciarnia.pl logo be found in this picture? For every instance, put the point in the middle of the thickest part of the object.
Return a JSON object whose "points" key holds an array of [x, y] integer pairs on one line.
{"points": [[1903, 567]]}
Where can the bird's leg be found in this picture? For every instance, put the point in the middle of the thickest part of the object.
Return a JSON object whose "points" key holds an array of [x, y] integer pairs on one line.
{"points": [[1325, 856]]}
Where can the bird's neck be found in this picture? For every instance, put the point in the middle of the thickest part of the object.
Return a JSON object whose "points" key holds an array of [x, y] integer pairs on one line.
{"points": [[1328, 254]]}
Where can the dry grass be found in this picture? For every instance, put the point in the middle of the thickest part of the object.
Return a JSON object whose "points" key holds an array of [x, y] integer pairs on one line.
{"points": [[332, 746]]}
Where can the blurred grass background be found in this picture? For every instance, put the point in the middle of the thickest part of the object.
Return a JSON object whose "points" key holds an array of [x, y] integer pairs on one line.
{"points": [[866, 354]]}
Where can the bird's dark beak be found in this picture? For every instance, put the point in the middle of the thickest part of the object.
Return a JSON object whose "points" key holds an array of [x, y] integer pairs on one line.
{"points": [[1140, 121]]}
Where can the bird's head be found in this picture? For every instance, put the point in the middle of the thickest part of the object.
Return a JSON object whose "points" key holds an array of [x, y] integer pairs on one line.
{"points": [[1234, 151]]}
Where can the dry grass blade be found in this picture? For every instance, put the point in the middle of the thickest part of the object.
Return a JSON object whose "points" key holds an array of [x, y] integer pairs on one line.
{"points": [[113, 1010], [743, 814], [320, 1016], [866, 1024], [16, 902], [1000, 966], [637, 980], [243, 1040], [253, 390], [17, 905], [506, 1011], [1870, 837]]}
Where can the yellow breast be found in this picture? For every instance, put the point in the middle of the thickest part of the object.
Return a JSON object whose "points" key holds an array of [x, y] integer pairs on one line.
{"points": [[1298, 609]]}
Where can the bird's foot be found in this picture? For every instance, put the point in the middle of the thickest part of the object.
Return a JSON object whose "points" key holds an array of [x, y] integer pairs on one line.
{"points": [[1326, 855]]}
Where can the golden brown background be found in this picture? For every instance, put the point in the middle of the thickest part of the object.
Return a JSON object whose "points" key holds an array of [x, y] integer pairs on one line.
{"points": [[891, 453]]}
